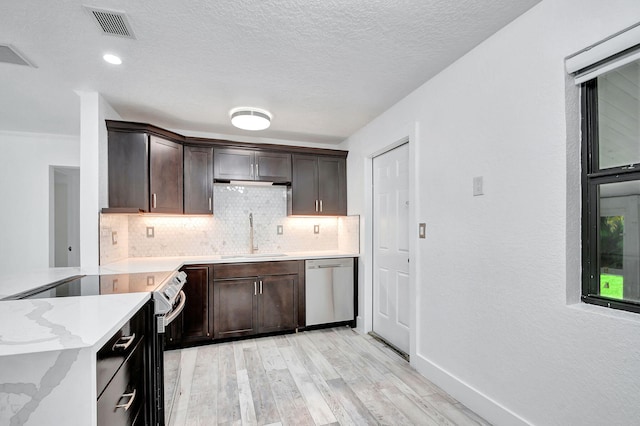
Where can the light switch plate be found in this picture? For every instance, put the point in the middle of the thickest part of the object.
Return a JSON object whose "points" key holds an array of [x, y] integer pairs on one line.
{"points": [[477, 186], [150, 232], [114, 238], [316, 229], [422, 230], [279, 230]]}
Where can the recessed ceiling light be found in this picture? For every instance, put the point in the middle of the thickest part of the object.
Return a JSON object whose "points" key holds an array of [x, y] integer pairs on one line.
{"points": [[249, 118], [112, 59]]}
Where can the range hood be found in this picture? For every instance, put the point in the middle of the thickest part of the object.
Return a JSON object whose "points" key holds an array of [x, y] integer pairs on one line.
{"points": [[250, 183]]}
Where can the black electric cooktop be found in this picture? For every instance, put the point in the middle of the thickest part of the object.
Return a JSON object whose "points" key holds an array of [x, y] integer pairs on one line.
{"points": [[93, 285]]}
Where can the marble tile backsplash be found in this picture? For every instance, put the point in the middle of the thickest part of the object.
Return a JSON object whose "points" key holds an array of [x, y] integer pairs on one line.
{"points": [[110, 251], [228, 231]]}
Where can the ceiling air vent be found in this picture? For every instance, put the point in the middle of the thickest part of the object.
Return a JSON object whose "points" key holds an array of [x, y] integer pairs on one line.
{"points": [[111, 22], [9, 55]]}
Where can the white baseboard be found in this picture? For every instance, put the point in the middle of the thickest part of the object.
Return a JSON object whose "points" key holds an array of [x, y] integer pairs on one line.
{"points": [[472, 398]]}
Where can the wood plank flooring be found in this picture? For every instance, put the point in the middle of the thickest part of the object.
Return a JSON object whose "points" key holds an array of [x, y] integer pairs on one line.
{"points": [[323, 377]]}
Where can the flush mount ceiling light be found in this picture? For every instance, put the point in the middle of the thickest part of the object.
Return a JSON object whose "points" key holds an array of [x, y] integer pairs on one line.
{"points": [[112, 59], [248, 118]]}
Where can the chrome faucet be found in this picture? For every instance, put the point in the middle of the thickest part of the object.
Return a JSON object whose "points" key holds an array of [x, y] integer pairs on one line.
{"points": [[252, 246]]}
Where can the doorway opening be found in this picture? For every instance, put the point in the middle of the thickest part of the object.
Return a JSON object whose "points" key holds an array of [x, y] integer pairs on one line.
{"points": [[391, 248], [64, 216]]}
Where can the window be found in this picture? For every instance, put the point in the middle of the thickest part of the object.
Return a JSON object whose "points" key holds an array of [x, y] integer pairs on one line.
{"points": [[611, 188]]}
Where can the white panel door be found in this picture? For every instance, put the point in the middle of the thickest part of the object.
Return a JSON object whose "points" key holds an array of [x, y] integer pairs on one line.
{"points": [[391, 296]]}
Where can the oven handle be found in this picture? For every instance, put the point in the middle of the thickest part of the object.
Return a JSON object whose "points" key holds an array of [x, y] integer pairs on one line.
{"points": [[177, 310]]}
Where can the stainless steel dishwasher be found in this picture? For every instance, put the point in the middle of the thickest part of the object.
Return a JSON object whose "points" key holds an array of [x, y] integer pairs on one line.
{"points": [[329, 290]]}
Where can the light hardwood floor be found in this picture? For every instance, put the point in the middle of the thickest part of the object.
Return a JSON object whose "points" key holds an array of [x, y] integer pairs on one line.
{"points": [[332, 376]]}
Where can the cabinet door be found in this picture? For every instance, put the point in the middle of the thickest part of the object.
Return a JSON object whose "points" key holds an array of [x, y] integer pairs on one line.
{"points": [[196, 316], [165, 175], [233, 164], [235, 307], [332, 187], [198, 180], [303, 196], [272, 167], [278, 303], [128, 170]]}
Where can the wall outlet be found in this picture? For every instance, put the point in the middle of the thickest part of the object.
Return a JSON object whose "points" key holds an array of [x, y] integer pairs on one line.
{"points": [[150, 232], [316, 229], [114, 238], [477, 186], [279, 230]]}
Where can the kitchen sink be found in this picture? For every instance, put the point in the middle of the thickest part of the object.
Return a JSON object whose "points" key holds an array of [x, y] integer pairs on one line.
{"points": [[251, 256]]}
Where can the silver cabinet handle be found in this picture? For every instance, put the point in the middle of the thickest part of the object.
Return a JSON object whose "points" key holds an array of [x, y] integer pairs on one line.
{"points": [[257, 171], [210, 204], [124, 342], [320, 206], [255, 288], [251, 175], [131, 397], [316, 205], [260, 286], [154, 199]]}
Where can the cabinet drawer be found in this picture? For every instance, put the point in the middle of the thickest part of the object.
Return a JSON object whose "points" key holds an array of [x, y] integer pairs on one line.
{"points": [[123, 398], [117, 349], [242, 270]]}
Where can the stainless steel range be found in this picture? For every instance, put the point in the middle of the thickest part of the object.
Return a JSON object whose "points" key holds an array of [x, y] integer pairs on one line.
{"points": [[169, 300]]}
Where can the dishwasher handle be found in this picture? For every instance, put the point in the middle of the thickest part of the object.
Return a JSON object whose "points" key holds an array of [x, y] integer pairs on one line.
{"points": [[329, 263]]}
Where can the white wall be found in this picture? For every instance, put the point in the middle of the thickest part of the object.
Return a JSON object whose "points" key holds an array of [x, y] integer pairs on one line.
{"points": [[498, 277], [94, 110], [25, 159]]}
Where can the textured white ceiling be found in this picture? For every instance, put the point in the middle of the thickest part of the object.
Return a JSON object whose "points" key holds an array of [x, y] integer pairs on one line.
{"points": [[324, 68]]}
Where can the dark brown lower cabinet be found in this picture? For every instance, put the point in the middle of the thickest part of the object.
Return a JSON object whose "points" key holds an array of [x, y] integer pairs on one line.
{"points": [[195, 324], [237, 300], [278, 303], [124, 371], [254, 298], [235, 307]]}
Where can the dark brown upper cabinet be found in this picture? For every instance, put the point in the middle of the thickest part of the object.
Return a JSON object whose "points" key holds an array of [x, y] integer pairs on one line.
{"points": [[318, 186], [149, 173], [198, 180], [145, 173], [165, 175], [249, 165]]}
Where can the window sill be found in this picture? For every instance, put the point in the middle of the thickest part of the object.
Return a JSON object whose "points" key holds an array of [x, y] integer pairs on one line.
{"points": [[606, 312]]}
